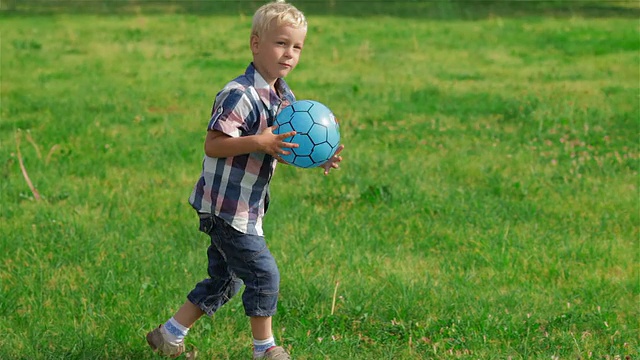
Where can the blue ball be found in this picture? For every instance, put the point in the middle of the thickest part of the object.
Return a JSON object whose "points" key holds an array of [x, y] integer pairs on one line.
{"points": [[317, 133]]}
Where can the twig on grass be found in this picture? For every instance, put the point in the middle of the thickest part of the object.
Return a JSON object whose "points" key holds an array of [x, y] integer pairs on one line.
{"points": [[33, 143], [335, 293], [36, 195], [51, 151]]}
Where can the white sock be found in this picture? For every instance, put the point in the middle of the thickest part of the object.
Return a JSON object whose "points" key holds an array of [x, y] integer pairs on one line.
{"points": [[173, 332], [260, 346]]}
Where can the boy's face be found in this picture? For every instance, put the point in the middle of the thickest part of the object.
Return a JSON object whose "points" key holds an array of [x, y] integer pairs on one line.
{"points": [[277, 51]]}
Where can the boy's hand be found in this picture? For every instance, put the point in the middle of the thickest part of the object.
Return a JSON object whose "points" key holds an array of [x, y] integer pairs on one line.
{"points": [[273, 144], [334, 162]]}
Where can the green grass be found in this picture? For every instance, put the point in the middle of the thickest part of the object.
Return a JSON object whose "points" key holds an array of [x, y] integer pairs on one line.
{"points": [[487, 206]]}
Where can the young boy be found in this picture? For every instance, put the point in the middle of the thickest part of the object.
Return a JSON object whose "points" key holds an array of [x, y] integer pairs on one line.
{"points": [[232, 194]]}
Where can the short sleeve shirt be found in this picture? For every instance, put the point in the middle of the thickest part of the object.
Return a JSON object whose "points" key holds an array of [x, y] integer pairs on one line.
{"points": [[236, 188]]}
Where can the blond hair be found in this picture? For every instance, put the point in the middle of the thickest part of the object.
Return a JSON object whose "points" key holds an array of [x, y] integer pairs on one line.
{"points": [[280, 11]]}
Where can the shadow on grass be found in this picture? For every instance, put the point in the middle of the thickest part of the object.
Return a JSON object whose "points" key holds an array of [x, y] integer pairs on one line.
{"points": [[427, 9]]}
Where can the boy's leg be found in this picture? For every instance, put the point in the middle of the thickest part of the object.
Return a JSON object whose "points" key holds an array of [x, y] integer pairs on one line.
{"points": [[188, 314], [250, 259], [261, 327], [211, 293], [169, 337], [207, 296], [176, 329], [264, 345]]}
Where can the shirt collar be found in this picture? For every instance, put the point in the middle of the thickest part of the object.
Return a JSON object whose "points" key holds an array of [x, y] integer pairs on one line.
{"points": [[267, 95]]}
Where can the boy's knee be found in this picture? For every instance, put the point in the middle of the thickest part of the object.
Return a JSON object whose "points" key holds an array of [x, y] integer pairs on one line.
{"points": [[267, 276]]}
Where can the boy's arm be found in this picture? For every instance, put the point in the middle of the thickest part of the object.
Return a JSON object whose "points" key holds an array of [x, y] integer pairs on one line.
{"points": [[220, 145]]}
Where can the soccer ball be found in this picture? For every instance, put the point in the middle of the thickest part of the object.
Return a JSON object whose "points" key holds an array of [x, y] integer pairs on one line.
{"points": [[317, 133]]}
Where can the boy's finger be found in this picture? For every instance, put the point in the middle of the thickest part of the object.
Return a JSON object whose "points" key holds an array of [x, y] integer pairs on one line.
{"points": [[286, 135], [290, 145]]}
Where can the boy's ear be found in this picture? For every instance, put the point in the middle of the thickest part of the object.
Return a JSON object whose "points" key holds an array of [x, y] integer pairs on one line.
{"points": [[253, 42]]}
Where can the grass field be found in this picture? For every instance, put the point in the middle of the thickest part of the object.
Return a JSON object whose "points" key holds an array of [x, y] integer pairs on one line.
{"points": [[487, 206]]}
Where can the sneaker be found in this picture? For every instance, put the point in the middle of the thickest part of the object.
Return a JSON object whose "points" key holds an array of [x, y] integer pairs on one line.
{"points": [[274, 353], [157, 343]]}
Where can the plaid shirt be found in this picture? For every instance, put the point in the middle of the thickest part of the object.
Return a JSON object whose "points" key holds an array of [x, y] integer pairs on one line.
{"points": [[236, 188]]}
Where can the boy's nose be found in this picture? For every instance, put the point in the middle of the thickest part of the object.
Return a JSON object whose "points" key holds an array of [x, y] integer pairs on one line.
{"points": [[288, 52]]}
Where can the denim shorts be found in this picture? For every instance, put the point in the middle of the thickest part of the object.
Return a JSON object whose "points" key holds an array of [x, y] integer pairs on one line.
{"points": [[236, 258]]}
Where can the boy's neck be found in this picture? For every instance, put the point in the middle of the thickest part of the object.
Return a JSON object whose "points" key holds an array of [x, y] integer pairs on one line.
{"points": [[271, 82]]}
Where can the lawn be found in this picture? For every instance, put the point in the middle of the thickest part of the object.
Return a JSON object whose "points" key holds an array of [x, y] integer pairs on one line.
{"points": [[487, 206]]}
